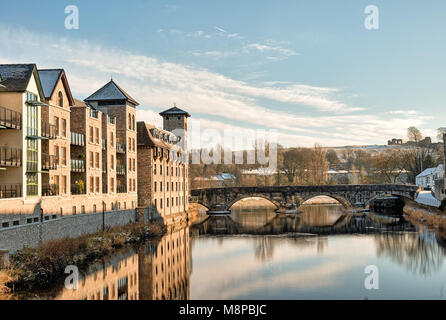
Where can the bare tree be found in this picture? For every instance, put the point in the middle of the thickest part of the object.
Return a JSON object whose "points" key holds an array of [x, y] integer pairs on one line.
{"points": [[413, 134]]}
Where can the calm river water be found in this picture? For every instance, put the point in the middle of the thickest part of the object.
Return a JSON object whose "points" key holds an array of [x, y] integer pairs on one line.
{"points": [[321, 253]]}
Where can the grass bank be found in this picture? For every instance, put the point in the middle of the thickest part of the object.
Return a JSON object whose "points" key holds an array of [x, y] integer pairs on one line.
{"points": [[33, 268], [428, 216]]}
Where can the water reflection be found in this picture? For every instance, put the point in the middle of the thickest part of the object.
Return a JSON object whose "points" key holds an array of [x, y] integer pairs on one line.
{"points": [[257, 254]]}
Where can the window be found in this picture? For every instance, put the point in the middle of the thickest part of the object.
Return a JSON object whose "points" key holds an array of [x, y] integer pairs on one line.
{"points": [[154, 187], [64, 184], [83, 209], [161, 169], [112, 185], [112, 162], [130, 121], [91, 159], [97, 160], [161, 203], [94, 208], [56, 184], [63, 159], [154, 169], [97, 185], [74, 210], [161, 186], [155, 204], [64, 128], [91, 134], [167, 186], [56, 123], [97, 135], [133, 122], [130, 144], [167, 202], [112, 139], [91, 184], [56, 152], [60, 99]]}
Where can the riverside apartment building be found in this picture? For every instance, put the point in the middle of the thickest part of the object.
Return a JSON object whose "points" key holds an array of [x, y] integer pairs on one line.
{"points": [[61, 155]]}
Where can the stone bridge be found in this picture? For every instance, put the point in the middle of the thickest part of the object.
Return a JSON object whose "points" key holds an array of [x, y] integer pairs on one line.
{"points": [[291, 197]]}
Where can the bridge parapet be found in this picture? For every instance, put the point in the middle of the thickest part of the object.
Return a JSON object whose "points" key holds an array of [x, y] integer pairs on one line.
{"points": [[291, 197]]}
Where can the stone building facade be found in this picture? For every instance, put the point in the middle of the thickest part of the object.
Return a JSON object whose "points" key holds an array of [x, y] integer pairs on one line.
{"points": [[163, 185]]}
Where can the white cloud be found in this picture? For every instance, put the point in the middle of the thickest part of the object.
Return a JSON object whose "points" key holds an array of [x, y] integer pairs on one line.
{"points": [[205, 94]]}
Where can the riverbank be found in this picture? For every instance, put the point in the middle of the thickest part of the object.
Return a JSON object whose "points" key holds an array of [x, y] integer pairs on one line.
{"points": [[426, 215], [33, 268]]}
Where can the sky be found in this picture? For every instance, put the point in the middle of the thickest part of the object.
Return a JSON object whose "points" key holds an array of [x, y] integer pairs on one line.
{"points": [[310, 70]]}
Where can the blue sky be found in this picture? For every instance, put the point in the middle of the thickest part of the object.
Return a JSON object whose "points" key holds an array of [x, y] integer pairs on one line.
{"points": [[309, 69]]}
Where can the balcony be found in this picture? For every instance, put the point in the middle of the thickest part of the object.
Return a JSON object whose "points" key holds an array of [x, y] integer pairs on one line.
{"points": [[104, 144], [120, 148], [10, 157], [49, 162], [104, 167], [10, 190], [121, 189], [50, 190], [78, 188], [32, 166], [120, 169], [77, 139], [10, 119], [77, 165], [48, 130]]}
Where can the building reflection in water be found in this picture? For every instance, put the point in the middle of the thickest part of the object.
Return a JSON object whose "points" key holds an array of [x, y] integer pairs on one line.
{"points": [[155, 271]]}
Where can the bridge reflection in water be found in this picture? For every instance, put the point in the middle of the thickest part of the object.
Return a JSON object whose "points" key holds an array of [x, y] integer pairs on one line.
{"points": [[320, 253]]}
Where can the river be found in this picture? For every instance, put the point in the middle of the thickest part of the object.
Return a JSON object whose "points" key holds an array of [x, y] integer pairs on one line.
{"points": [[321, 253]]}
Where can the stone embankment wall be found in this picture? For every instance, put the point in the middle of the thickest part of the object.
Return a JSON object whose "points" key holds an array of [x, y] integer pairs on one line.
{"points": [[30, 230], [426, 215]]}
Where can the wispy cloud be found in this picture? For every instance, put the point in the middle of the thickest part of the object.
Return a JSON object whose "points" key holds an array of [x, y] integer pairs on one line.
{"points": [[212, 97]]}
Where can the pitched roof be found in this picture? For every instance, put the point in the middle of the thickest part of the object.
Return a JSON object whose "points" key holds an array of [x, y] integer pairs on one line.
{"points": [[149, 135], [49, 78], [16, 76], [111, 91], [174, 111]]}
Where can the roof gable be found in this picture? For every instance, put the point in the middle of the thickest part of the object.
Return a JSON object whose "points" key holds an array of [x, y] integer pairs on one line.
{"points": [[16, 77], [174, 111], [49, 79], [111, 91]]}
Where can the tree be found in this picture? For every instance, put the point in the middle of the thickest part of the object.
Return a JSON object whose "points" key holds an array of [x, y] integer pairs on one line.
{"points": [[332, 158], [440, 132], [413, 134]]}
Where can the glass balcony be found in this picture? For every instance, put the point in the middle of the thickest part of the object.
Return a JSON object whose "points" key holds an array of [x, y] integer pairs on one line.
{"points": [[120, 148], [77, 188], [48, 130], [49, 162], [120, 169], [10, 119], [77, 139], [104, 144], [10, 190], [50, 190], [121, 188], [77, 165], [10, 157]]}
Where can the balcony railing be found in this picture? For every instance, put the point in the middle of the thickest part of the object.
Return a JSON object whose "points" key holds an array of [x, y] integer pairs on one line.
{"points": [[10, 157], [120, 148], [77, 165], [10, 118], [120, 169], [10, 190], [104, 167], [48, 130], [32, 166], [104, 144], [49, 162], [77, 189], [50, 190], [121, 188], [77, 139]]}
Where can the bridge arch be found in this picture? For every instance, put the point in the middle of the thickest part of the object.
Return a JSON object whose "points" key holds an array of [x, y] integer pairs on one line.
{"points": [[247, 196], [401, 196], [339, 199]]}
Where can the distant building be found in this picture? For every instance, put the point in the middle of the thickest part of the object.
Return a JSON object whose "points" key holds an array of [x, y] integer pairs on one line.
{"points": [[215, 181], [426, 179], [395, 142]]}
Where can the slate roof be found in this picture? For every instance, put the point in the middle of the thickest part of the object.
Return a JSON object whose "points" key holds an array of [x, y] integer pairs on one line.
{"points": [[111, 91], [49, 78], [174, 111], [146, 138], [15, 76]]}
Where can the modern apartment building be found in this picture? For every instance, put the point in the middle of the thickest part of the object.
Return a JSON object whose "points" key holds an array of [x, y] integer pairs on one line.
{"points": [[60, 154], [163, 184]]}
